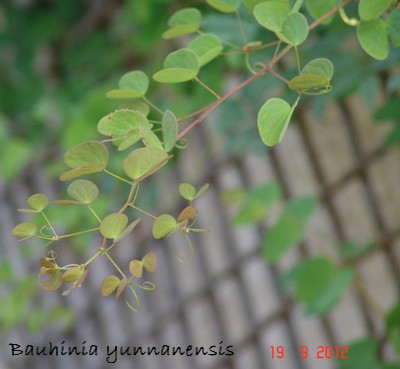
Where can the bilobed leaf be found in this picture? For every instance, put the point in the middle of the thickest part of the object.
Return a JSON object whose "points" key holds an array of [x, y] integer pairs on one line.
{"points": [[373, 9], [179, 66], [186, 214], [393, 24], [313, 278], [135, 81], [121, 287], [273, 120], [169, 126], [294, 29], [83, 191], [374, 38], [127, 230], [149, 262], [289, 229], [90, 156], [38, 202], [54, 282], [109, 285], [187, 191], [163, 226], [271, 14], [319, 66], [113, 225], [183, 22], [207, 47], [73, 274], [27, 229], [224, 6], [318, 8], [328, 298], [144, 161], [121, 122], [136, 268], [310, 84]]}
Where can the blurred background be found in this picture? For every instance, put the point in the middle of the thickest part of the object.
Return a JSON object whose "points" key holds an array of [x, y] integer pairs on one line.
{"points": [[340, 160]]}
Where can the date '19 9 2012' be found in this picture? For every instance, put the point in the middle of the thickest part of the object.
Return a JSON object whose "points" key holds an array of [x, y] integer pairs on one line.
{"points": [[320, 352]]}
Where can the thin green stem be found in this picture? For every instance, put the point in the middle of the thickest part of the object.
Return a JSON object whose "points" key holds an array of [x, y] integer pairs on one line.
{"points": [[48, 222], [153, 105], [136, 194], [129, 199], [97, 254], [296, 51], [261, 47], [207, 88], [241, 26], [116, 176], [142, 211], [94, 213], [267, 68], [114, 264], [78, 233], [186, 117]]}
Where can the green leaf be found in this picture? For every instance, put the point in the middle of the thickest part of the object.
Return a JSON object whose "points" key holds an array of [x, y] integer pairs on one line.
{"points": [[224, 6], [135, 81], [38, 202], [27, 229], [122, 94], [187, 191], [169, 127], [313, 278], [121, 122], [201, 191], [310, 84], [183, 22], [85, 158], [391, 366], [164, 225], [393, 24], [20, 151], [373, 9], [143, 162], [319, 66], [289, 229], [257, 203], [271, 14], [362, 354], [73, 274], [136, 268], [83, 191], [179, 66], [109, 285], [207, 47], [149, 262], [331, 294], [82, 171], [374, 38], [273, 120], [113, 225], [127, 230], [149, 138], [250, 4], [132, 138], [392, 324], [351, 250], [294, 29], [317, 8]]}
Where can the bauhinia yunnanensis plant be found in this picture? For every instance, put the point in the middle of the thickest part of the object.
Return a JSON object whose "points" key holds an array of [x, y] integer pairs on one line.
{"points": [[150, 142]]}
